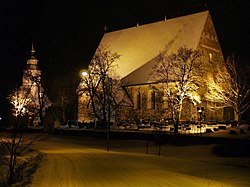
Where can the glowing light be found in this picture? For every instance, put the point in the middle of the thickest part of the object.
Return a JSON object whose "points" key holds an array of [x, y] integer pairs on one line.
{"points": [[84, 73], [210, 57], [195, 98]]}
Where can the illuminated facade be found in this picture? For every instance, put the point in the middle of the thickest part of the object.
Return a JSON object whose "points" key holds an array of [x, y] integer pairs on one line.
{"points": [[139, 48], [31, 68], [31, 87]]}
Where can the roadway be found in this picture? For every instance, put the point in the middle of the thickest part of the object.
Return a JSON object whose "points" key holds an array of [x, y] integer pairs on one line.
{"points": [[78, 162]]}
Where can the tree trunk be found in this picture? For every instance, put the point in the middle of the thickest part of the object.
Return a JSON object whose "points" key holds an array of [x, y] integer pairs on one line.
{"points": [[236, 116], [63, 116], [176, 124]]}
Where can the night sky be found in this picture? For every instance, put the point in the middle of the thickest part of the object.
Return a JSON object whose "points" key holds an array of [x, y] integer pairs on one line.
{"points": [[66, 33]]}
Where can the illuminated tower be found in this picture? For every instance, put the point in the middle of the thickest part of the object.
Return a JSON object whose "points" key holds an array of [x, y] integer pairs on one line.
{"points": [[32, 88], [31, 69]]}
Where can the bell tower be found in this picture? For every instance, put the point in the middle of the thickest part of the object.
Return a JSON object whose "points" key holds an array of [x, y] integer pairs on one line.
{"points": [[31, 69]]}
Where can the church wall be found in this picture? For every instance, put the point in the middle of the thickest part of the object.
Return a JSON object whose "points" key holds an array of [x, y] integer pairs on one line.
{"points": [[148, 111], [85, 113], [214, 59]]}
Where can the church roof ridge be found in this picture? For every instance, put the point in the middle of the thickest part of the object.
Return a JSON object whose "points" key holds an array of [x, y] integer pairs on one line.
{"points": [[206, 12], [139, 45]]}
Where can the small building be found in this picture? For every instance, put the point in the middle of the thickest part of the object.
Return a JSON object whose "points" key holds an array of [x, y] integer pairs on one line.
{"points": [[50, 121]]}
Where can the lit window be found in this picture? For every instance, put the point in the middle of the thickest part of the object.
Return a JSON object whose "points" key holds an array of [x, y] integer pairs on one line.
{"points": [[210, 57]]}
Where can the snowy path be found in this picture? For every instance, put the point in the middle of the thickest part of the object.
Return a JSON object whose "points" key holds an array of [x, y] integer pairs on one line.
{"points": [[71, 163]]}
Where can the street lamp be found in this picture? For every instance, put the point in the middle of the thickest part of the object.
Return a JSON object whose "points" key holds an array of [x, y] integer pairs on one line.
{"points": [[84, 77], [83, 73], [83, 97], [200, 111]]}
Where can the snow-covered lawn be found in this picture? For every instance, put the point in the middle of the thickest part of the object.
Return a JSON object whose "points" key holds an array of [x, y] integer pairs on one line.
{"points": [[75, 161]]}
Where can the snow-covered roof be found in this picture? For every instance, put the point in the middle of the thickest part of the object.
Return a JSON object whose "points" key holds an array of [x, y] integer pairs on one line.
{"points": [[139, 46]]}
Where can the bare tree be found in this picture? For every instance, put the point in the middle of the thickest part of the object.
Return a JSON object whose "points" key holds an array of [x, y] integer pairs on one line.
{"points": [[21, 99], [62, 98], [62, 102], [13, 146], [181, 73], [38, 93], [15, 143], [103, 86], [229, 87]]}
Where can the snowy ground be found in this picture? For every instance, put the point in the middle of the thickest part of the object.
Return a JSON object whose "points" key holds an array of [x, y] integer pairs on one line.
{"points": [[79, 162]]}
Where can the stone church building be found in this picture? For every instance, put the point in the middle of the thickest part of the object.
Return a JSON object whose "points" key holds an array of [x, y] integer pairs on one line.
{"points": [[139, 47], [31, 92]]}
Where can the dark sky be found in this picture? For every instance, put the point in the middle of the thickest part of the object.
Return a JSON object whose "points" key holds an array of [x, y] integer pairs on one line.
{"points": [[66, 33]]}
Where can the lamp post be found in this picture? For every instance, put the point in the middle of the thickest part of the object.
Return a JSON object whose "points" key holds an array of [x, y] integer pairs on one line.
{"points": [[200, 111], [83, 88], [109, 86]]}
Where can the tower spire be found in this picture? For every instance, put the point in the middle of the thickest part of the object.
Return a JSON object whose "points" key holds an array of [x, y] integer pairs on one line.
{"points": [[32, 51], [32, 60]]}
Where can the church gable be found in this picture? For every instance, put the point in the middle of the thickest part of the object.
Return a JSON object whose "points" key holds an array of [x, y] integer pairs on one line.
{"points": [[209, 43]]}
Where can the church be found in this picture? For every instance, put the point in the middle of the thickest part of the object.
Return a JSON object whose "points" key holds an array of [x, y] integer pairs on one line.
{"points": [[30, 99], [139, 48]]}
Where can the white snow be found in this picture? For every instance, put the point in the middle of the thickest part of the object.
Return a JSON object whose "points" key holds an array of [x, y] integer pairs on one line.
{"points": [[79, 162]]}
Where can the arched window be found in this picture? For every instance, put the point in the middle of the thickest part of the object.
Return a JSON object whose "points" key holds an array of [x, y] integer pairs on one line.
{"points": [[151, 99], [137, 100]]}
